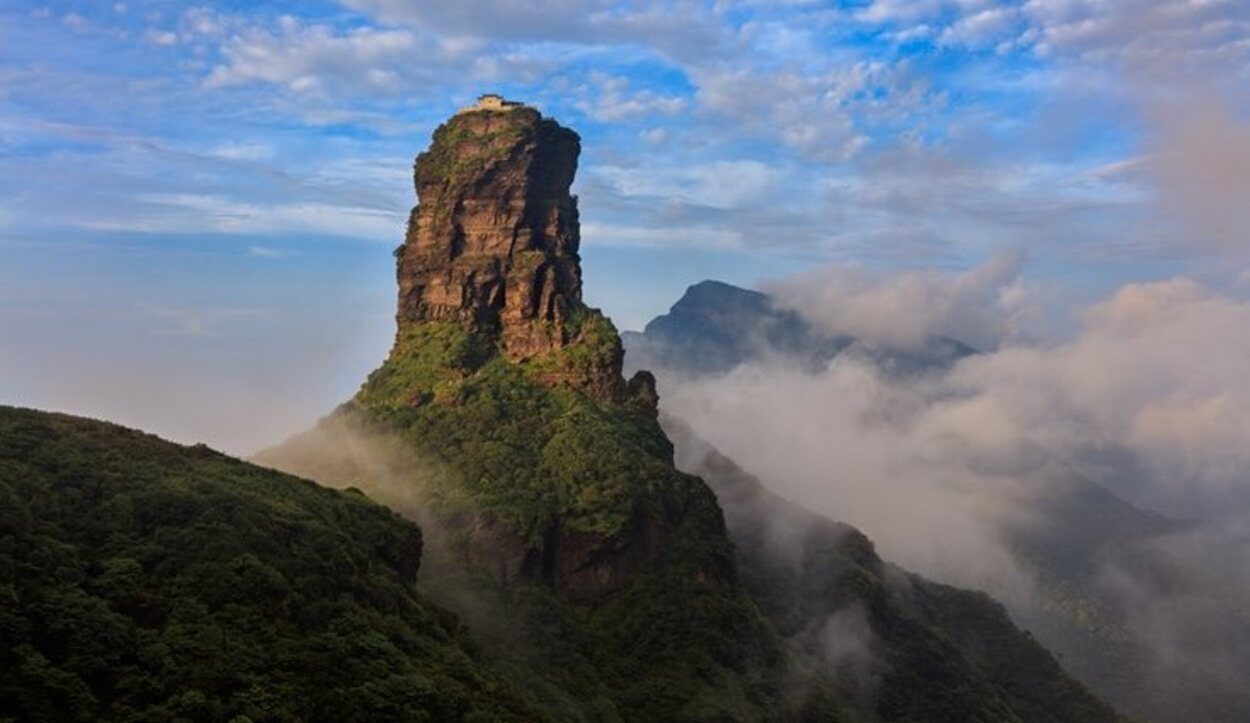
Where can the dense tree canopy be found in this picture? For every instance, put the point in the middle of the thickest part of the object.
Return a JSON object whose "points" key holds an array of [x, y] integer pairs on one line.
{"points": [[145, 581]]}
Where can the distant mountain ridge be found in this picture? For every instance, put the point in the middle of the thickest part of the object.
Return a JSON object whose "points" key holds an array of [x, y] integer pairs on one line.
{"points": [[809, 574], [715, 327]]}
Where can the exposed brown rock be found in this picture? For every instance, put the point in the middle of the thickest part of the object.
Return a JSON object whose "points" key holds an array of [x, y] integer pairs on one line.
{"points": [[493, 246], [493, 242]]}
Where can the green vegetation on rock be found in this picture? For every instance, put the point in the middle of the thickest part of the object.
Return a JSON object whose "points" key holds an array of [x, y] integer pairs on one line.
{"points": [[426, 361], [595, 351], [549, 466], [460, 152], [525, 452]]}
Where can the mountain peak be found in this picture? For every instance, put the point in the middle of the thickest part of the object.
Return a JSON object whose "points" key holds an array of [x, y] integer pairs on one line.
{"points": [[490, 266], [713, 291], [492, 244]]}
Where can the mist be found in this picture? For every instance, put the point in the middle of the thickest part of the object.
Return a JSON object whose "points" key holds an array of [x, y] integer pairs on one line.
{"points": [[949, 470]]}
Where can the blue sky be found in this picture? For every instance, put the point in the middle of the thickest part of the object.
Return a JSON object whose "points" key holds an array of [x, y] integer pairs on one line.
{"points": [[198, 203]]}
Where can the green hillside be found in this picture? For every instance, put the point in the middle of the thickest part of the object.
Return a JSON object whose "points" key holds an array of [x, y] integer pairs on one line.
{"points": [[566, 515], [146, 581]]}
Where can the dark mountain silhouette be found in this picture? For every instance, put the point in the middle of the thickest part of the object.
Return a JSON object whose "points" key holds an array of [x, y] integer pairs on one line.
{"points": [[715, 327]]}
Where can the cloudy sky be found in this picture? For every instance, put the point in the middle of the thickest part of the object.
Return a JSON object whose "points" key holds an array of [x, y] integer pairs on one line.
{"points": [[198, 202]]}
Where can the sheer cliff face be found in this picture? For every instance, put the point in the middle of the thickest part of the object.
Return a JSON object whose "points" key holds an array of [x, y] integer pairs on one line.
{"points": [[492, 244]]}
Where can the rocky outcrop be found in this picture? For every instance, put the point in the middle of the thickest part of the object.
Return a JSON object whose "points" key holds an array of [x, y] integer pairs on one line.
{"points": [[493, 242], [492, 246]]}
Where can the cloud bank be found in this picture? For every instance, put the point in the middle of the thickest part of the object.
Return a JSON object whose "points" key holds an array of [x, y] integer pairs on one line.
{"points": [[953, 470]]}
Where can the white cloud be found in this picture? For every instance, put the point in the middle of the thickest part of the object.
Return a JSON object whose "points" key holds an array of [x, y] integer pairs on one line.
{"points": [[987, 27], [812, 112], [1174, 38], [892, 11], [654, 136], [1201, 168], [1162, 38], [266, 252], [192, 213], [805, 100], [1149, 398], [1158, 371], [723, 184], [315, 58], [916, 32], [678, 29], [165, 38], [243, 151], [611, 99], [204, 22], [534, 19], [982, 307], [74, 21], [603, 234]]}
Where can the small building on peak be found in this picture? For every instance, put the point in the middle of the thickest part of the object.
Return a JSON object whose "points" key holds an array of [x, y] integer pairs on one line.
{"points": [[491, 102]]}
